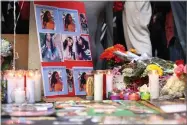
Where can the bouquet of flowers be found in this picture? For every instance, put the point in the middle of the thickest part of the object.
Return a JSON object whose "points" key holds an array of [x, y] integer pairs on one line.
{"points": [[176, 84], [6, 54], [132, 74], [110, 57]]}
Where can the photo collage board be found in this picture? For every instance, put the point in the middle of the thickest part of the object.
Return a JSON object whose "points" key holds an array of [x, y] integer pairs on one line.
{"points": [[64, 46]]}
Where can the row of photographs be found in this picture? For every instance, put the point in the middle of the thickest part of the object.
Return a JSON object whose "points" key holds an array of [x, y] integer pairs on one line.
{"points": [[57, 48], [58, 80], [60, 20]]}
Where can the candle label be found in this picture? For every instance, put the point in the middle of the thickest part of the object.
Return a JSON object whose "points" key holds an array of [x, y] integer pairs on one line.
{"points": [[118, 81], [90, 86]]}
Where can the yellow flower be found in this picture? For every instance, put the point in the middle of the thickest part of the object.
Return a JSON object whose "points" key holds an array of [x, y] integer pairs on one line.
{"points": [[155, 67], [133, 50]]}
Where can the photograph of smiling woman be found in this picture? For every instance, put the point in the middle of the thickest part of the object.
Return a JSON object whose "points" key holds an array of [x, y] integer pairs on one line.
{"points": [[48, 21], [69, 23]]}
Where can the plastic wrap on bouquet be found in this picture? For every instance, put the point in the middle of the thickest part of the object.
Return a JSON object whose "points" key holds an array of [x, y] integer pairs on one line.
{"points": [[129, 56]]}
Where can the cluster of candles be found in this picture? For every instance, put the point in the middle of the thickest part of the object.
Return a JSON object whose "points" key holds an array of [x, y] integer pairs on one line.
{"points": [[23, 85], [103, 83]]}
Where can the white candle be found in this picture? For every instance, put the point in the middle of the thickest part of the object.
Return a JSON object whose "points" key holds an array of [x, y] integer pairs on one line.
{"points": [[19, 96], [38, 83], [154, 84], [109, 83], [30, 90], [11, 85], [98, 87]]}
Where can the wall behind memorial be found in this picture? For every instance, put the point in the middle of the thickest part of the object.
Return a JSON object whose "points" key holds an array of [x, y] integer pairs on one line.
{"points": [[21, 48], [33, 49]]}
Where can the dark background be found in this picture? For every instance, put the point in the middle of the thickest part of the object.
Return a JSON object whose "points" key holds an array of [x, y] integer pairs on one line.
{"points": [[7, 16]]}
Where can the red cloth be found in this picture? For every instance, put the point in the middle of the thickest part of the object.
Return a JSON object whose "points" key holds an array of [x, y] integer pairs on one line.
{"points": [[25, 11], [169, 27], [118, 6]]}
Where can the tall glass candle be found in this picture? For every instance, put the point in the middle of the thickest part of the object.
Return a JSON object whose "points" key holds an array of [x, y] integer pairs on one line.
{"points": [[98, 87], [11, 84], [30, 84], [109, 83], [154, 84], [38, 84]]}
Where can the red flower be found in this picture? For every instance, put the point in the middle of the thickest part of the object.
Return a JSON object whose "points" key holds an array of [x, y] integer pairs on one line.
{"points": [[118, 6], [179, 70], [178, 62]]}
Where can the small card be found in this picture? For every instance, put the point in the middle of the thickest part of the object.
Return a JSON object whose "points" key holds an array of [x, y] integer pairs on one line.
{"points": [[174, 108]]}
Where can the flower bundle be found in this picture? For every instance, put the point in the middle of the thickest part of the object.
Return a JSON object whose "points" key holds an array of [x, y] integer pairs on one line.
{"points": [[6, 54], [175, 85], [109, 55], [132, 74], [6, 48]]}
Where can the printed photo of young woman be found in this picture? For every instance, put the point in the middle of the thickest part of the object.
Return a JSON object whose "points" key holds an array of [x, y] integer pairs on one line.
{"points": [[82, 81], [83, 48], [55, 80], [68, 47], [69, 21], [47, 19], [84, 24], [69, 79], [80, 76], [51, 50]]}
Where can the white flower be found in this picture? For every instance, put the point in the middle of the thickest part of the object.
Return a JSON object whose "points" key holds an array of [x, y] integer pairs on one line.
{"points": [[174, 86], [144, 88], [6, 48]]}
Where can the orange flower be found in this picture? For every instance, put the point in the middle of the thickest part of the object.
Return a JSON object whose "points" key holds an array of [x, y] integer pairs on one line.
{"points": [[108, 53]]}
